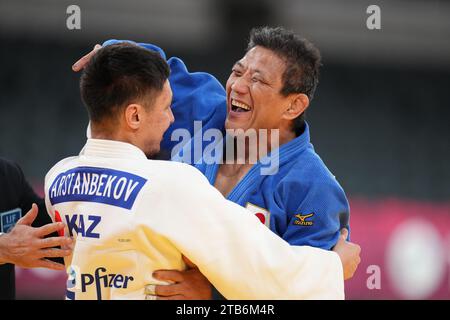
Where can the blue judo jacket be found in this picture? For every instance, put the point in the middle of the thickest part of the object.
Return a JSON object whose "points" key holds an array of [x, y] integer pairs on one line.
{"points": [[302, 202]]}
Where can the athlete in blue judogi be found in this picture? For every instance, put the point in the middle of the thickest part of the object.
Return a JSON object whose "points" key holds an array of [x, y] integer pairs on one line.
{"points": [[303, 203]]}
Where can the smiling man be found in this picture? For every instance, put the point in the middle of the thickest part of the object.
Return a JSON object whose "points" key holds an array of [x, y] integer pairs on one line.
{"points": [[270, 88]]}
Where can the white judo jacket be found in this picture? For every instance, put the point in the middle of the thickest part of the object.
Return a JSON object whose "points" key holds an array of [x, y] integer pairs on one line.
{"points": [[131, 216]]}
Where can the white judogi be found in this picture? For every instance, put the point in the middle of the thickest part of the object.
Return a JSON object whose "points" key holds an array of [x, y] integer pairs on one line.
{"points": [[131, 216]]}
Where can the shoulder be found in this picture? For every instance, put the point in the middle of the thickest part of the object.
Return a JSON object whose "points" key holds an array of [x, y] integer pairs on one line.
{"points": [[171, 180], [10, 172], [309, 170], [8, 166], [178, 172], [309, 183]]}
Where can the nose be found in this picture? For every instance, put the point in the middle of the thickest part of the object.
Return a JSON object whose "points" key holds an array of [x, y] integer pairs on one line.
{"points": [[171, 116], [240, 85]]}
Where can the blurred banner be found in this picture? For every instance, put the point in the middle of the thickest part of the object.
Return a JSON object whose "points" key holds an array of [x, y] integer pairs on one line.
{"points": [[405, 254], [409, 242]]}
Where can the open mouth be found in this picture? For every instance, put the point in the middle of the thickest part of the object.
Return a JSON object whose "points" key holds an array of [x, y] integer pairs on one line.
{"points": [[237, 106]]}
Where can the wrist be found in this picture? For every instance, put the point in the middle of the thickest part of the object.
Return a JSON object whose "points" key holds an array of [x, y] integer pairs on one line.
{"points": [[3, 248]]}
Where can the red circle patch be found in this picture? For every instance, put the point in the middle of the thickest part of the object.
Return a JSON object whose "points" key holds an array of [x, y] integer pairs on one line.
{"points": [[261, 217]]}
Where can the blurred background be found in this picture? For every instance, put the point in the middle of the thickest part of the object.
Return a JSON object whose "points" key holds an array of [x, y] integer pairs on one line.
{"points": [[380, 118]]}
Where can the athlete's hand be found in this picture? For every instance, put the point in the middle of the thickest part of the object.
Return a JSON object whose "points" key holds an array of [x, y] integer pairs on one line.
{"points": [[186, 285], [83, 61], [349, 253], [26, 246]]}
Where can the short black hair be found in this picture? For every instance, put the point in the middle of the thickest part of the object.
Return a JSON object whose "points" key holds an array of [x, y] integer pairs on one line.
{"points": [[118, 75], [302, 60]]}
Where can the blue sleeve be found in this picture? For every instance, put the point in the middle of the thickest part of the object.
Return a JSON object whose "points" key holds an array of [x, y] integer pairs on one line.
{"points": [[197, 96], [317, 220]]}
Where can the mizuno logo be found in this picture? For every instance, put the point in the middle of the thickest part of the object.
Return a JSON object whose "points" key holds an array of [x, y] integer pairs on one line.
{"points": [[301, 219]]}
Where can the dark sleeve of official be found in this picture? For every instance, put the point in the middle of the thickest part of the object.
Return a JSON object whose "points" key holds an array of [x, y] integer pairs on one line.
{"points": [[28, 197]]}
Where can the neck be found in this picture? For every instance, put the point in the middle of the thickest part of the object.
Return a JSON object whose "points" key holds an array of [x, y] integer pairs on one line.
{"points": [[107, 133]]}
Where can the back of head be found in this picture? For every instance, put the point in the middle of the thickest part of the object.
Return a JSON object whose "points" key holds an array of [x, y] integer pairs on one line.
{"points": [[119, 75]]}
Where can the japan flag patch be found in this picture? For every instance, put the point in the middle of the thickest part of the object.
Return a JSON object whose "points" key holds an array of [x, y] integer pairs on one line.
{"points": [[262, 214]]}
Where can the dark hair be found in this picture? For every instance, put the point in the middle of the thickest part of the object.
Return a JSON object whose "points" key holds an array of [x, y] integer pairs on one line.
{"points": [[302, 60], [118, 75]]}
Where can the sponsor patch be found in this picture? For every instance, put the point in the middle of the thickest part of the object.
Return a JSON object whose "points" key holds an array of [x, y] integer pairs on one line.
{"points": [[9, 219], [302, 219]]}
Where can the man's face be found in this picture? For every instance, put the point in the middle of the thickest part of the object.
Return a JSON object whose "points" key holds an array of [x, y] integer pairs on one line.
{"points": [[157, 119], [253, 91]]}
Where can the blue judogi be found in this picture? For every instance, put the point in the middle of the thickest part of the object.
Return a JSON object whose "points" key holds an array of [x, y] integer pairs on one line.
{"points": [[303, 202]]}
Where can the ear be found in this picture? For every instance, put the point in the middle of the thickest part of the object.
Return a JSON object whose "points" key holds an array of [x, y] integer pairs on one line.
{"points": [[134, 114], [299, 103]]}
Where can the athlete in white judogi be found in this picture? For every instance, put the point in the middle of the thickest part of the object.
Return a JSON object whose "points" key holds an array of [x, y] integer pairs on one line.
{"points": [[131, 216]]}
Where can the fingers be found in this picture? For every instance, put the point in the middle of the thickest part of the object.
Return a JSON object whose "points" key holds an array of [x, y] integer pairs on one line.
{"points": [[54, 253], [167, 290], [30, 216], [162, 290], [344, 233], [54, 242], [81, 63], [44, 263], [49, 228], [168, 275], [188, 262], [353, 266], [351, 271]]}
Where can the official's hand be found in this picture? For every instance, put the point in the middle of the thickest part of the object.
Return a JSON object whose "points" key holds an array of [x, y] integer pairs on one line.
{"points": [[186, 285], [83, 61], [26, 246], [349, 253]]}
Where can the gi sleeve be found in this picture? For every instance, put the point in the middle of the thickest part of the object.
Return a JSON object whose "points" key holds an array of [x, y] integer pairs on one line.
{"points": [[241, 257], [27, 196]]}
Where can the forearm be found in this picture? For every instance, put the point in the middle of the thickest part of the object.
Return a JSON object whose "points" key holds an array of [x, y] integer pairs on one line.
{"points": [[279, 273]]}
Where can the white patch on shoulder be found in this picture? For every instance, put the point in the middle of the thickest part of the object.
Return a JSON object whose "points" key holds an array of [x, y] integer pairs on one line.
{"points": [[262, 214]]}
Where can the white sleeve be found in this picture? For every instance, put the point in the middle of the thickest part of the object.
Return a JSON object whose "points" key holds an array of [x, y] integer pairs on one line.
{"points": [[240, 256]]}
